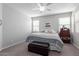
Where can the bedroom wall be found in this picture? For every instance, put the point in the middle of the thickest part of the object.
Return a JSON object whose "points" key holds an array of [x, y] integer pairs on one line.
{"points": [[0, 26], [76, 27], [52, 19], [16, 26], [47, 19]]}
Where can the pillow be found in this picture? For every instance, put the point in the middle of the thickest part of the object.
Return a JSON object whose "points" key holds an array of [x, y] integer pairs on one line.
{"points": [[53, 31], [46, 31]]}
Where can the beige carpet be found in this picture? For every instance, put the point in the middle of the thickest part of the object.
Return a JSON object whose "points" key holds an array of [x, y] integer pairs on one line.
{"points": [[21, 50]]}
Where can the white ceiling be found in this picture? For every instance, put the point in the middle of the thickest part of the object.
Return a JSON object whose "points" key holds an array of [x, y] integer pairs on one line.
{"points": [[27, 8]]}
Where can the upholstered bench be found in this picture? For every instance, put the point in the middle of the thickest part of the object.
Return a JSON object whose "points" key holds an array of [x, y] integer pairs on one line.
{"points": [[41, 48]]}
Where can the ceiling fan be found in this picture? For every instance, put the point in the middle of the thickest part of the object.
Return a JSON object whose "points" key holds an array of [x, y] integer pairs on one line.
{"points": [[42, 7]]}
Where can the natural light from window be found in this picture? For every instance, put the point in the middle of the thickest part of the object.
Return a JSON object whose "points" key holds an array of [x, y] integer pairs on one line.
{"points": [[35, 25], [64, 21]]}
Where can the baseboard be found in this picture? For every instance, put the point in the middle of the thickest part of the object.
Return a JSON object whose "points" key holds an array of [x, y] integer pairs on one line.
{"points": [[12, 45], [76, 45]]}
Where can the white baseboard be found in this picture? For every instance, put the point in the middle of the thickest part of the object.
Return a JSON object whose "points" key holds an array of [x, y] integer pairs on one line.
{"points": [[76, 45], [12, 45]]}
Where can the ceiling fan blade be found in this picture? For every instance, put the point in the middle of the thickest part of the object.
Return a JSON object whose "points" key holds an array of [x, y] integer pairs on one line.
{"points": [[42, 7], [49, 4], [35, 9], [39, 4], [48, 9]]}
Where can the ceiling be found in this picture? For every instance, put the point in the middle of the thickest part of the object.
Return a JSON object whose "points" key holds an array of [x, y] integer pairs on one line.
{"points": [[56, 8]]}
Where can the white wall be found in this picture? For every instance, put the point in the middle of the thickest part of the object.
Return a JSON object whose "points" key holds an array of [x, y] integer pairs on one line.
{"points": [[16, 26], [52, 19], [0, 11], [0, 26], [47, 19], [76, 27]]}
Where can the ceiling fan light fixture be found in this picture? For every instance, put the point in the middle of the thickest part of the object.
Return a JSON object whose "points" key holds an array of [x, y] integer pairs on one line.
{"points": [[42, 8]]}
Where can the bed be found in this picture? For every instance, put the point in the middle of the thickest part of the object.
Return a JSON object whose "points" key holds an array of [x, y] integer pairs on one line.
{"points": [[52, 38]]}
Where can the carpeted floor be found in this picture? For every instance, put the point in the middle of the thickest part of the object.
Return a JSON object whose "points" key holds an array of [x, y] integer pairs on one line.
{"points": [[21, 50]]}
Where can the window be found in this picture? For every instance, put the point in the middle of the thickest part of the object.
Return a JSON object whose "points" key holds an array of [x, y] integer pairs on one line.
{"points": [[64, 21], [35, 25]]}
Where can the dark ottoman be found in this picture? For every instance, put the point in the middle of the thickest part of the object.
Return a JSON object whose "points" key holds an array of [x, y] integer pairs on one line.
{"points": [[41, 48]]}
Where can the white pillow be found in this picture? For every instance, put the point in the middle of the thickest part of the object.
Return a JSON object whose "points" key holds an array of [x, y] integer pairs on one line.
{"points": [[53, 31], [46, 31], [49, 31]]}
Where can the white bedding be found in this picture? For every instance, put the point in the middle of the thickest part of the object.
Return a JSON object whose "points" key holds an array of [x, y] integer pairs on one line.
{"points": [[52, 38], [47, 35]]}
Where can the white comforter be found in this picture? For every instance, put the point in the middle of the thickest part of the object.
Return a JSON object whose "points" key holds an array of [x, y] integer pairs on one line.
{"points": [[52, 38], [48, 35]]}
